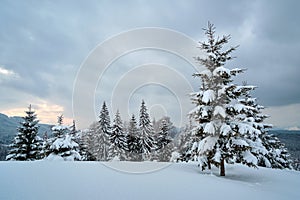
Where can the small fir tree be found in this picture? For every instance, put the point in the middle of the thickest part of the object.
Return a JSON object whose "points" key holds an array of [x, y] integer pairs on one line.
{"points": [[26, 144], [63, 145]]}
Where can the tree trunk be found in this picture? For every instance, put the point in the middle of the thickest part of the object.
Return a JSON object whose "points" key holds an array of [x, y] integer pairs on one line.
{"points": [[209, 165], [222, 168]]}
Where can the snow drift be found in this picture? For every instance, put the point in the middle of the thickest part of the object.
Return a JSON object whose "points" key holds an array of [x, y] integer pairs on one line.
{"points": [[95, 180]]}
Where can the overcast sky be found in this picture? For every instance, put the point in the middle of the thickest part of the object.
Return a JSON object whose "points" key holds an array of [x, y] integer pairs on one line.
{"points": [[44, 43]]}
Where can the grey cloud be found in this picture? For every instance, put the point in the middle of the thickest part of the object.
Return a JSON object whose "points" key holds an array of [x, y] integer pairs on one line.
{"points": [[45, 42]]}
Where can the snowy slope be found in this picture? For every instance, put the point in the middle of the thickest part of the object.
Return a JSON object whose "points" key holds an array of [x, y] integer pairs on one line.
{"points": [[94, 180]]}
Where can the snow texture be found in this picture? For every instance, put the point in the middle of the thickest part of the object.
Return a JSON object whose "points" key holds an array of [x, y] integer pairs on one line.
{"points": [[219, 110], [239, 142], [207, 144], [221, 71], [249, 157], [66, 142], [225, 129], [208, 96], [60, 127], [210, 128], [94, 180]]}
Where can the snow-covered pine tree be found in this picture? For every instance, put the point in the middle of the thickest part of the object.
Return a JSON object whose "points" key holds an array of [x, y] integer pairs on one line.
{"points": [[80, 139], [277, 155], [26, 145], [117, 139], [63, 145], [185, 143], [103, 134], [104, 120], [133, 149], [163, 137], [89, 139], [163, 142], [248, 110], [146, 139], [222, 138], [157, 125], [269, 151]]}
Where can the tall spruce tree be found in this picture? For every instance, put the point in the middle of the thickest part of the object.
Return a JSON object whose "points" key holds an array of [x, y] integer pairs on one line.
{"points": [[90, 141], [163, 142], [133, 149], [163, 137], [26, 145], [103, 134], [118, 143], [104, 120], [185, 143], [83, 148], [146, 139], [221, 137]]}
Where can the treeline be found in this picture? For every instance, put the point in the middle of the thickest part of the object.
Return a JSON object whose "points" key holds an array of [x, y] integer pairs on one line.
{"points": [[138, 140]]}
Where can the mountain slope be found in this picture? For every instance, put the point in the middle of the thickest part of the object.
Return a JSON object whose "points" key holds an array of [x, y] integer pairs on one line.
{"points": [[95, 180]]}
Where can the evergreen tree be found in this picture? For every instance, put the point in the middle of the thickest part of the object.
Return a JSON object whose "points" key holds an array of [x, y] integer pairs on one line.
{"points": [[185, 147], [221, 137], [117, 140], [277, 155], [103, 134], [63, 145], [104, 120], [133, 149], [146, 139], [157, 126], [269, 151], [84, 154], [89, 139], [163, 137], [26, 144], [163, 143]]}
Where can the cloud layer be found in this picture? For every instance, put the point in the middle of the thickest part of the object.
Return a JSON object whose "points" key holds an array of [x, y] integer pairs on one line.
{"points": [[44, 43]]}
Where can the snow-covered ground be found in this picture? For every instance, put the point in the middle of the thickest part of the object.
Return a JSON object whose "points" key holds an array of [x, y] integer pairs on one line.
{"points": [[95, 180]]}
